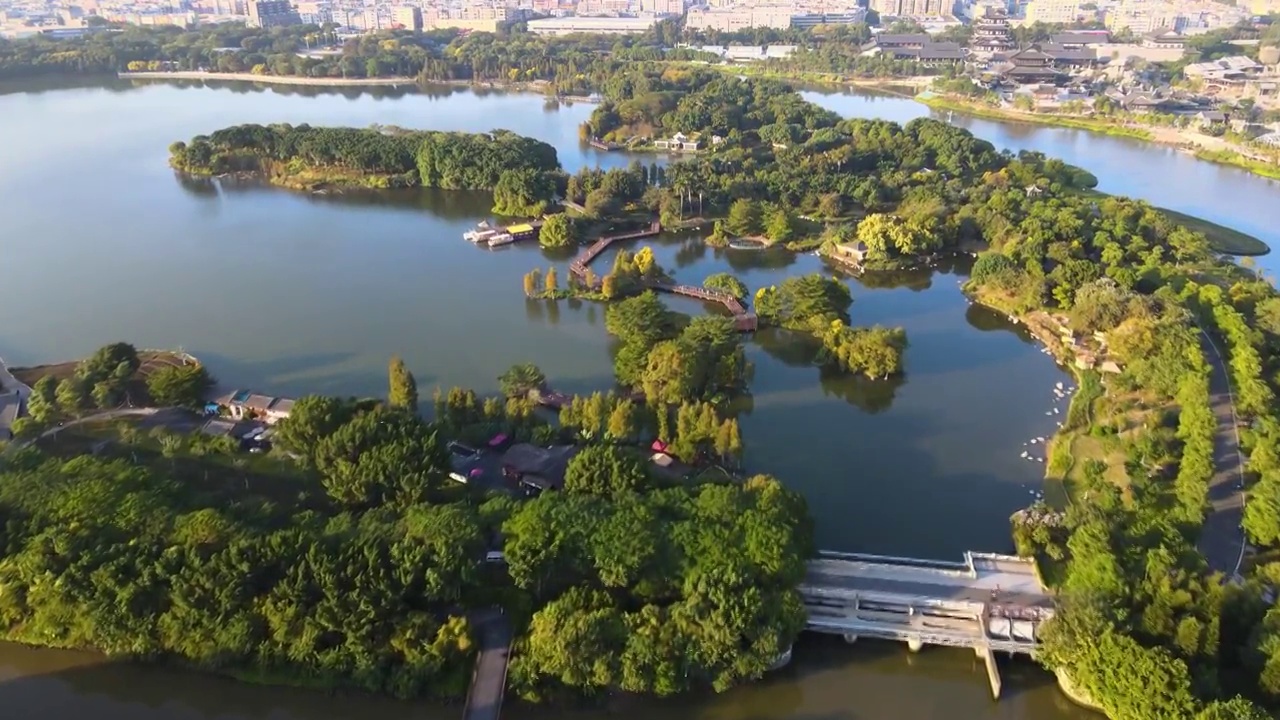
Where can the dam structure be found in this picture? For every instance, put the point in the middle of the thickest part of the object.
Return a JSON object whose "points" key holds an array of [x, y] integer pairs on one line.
{"points": [[990, 603]]}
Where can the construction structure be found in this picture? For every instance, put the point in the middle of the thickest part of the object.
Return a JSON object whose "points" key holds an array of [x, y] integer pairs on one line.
{"points": [[743, 319], [989, 603]]}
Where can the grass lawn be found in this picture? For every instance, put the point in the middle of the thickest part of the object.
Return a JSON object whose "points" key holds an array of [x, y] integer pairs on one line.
{"points": [[136, 388], [1223, 239], [270, 481]]}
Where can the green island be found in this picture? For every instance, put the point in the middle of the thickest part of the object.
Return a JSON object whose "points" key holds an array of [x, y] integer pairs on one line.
{"points": [[1115, 288], [349, 556]]}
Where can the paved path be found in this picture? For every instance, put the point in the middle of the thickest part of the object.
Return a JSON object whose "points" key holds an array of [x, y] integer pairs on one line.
{"points": [[1222, 537], [12, 395], [489, 684], [937, 591], [98, 416]]}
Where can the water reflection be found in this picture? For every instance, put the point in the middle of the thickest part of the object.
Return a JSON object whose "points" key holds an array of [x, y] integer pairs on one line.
{"points": [[201, 187]]}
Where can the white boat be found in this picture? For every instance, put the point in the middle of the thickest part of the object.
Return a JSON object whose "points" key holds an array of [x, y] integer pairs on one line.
{"points": [[500, 238], [482, 233]]}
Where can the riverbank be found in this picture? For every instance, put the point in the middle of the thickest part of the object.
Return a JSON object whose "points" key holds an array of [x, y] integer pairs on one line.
{"points": [[266, 79], [1203, 147]]}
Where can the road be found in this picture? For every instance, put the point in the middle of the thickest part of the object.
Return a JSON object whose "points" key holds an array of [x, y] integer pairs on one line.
{"points": [[1222, 537], [12, 393], [936, 591], [489, 684], [100, 416]]}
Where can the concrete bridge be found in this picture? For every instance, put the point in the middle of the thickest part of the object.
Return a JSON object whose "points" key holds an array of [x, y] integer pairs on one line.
{"points": [[990, 603]]}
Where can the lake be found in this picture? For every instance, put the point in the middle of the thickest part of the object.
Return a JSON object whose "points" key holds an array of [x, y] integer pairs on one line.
{"points": [[294, 294]]}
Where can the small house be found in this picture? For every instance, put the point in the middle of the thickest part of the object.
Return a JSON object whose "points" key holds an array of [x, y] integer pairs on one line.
{"points": [[245, 404], [1211, 118], [854, 252], [677, 143]]}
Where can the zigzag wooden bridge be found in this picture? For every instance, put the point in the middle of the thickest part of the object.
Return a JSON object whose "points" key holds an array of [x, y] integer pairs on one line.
{"points": [[743, 319]]}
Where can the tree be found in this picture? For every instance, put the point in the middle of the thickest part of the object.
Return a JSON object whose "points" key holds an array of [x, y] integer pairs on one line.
{"points": [[830, 205], [519, 380], [107, 361], [609, 286], [888, 235], [725, 282], [604, 470], [179, 385], [313, 418], [403, 391], [381, 457], [532, 282], [601, 204], [72, 395], [781, 227], [669, 376], [641, 319], [624, 421], [106, 394], [551, 283], [42, 404], [744, 218], [558, 231], [1237, 708], [523, 193]]}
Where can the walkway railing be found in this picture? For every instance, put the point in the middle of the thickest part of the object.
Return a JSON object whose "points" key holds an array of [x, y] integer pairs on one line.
{"points": [[743, 319]]}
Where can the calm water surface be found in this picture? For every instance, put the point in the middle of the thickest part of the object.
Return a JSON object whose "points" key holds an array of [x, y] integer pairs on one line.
{"points": [[292, 294]]}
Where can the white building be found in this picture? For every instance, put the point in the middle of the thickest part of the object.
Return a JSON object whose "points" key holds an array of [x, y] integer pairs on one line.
{"points": [[599, 25], [739, 18], [1053, 11]]}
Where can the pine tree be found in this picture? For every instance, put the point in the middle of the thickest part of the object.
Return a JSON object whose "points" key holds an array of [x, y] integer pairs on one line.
{"points": [[404, 389], [664, 422], [735, 440]]}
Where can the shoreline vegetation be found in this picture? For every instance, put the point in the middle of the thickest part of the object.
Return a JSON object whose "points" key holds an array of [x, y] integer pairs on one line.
{"points": [[626, 574], [346, 558], [1158, 135], [292, 176]]}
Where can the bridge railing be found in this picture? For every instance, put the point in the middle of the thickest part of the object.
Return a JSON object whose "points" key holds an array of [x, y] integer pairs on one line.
{"points": [[948, 567]]}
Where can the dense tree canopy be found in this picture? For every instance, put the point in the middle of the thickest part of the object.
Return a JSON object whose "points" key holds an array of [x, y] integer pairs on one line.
{"points": [[662, 592], [521, 171]]}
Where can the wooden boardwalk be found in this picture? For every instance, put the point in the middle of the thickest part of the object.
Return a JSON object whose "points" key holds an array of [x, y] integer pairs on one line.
{"points": [[743, 319]]}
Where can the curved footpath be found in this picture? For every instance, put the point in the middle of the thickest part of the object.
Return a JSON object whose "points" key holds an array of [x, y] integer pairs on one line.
{"points": [[1222, 540]]}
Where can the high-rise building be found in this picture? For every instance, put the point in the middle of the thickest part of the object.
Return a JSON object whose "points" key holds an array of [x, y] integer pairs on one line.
{"points": [[662, 7], [313, 12], [910, 8], [1063, 12], [272, 13], [407, 17], [1141, 16]]}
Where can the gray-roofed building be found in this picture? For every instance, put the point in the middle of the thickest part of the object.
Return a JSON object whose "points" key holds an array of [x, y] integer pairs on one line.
{"points": [[1080, 39], [898, 40], [933, 53], [241, 404], [538, 467]]}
